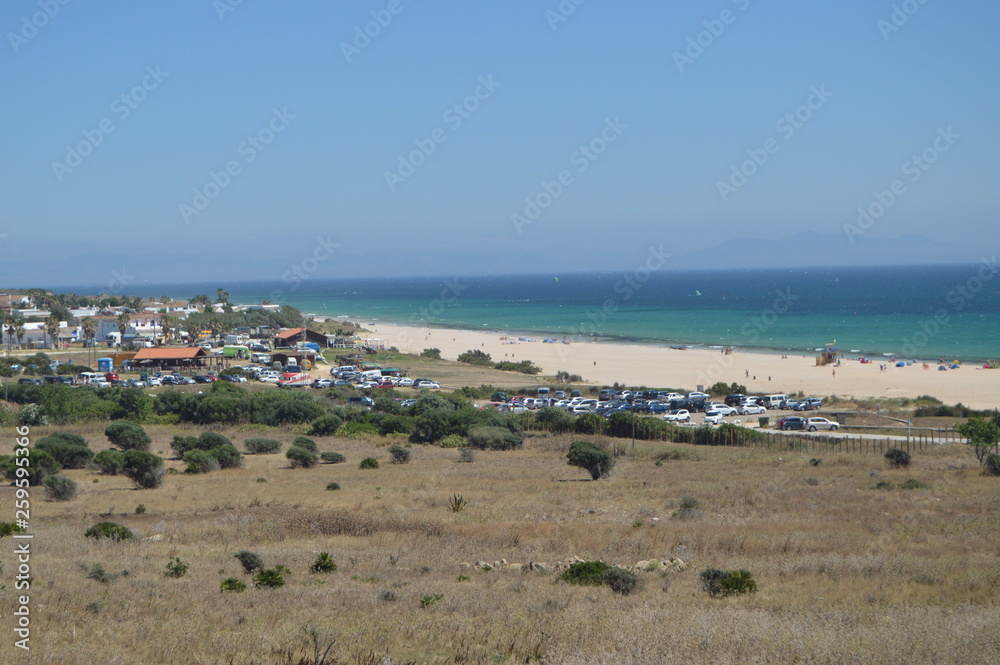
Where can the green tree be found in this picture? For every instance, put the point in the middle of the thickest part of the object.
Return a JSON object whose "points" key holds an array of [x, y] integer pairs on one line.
{"points": [[983, 436], [590, 456], [52, 329], [145, 470], [475, 357], [127, 435]]}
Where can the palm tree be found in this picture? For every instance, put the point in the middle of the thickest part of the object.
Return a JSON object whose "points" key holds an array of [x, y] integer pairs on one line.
{"points": [[199, 300], [223, 295], [19, 330], [52, 328], [89, 325], [123, 321]]}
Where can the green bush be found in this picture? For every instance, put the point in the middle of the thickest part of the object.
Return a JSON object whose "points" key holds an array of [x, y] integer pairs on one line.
{"points": [[434, 354], [60, 488], [271, 577], [200, 461], [126, 435], [333, 486], [109, 530], [324, 563], [304, 442], [688, 509], [590, 456], [40, 466], [897, 458], [494, 438], [205, 441], [227, 456], [475, 357], [400, 455], [260, 446], [232, 584], [466, 454], [250, 561], [589, 423], [718, 582], [913, 484], [7, 528], [589, 573], [368, 463], [554, 420], [357, 429], [325, 425], [453, 441], [145, 470], [992, 464], [621, 581], [332, 458], [110, 462], [176, 568], [68, 455], [301, 457]]}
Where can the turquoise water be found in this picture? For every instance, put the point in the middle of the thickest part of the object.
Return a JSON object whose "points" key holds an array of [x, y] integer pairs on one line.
{"points": [[913, 312]]}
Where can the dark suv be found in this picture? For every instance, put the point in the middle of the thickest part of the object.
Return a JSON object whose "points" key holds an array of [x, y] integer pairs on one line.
{"points": [[735, 399], [791, 422]]}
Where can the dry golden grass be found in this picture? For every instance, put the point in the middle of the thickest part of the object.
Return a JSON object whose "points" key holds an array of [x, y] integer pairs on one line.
{"points": [[847, 573]]}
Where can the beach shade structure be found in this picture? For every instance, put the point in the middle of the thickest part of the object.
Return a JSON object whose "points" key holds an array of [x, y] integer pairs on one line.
{"points": [[942, 368], [900, 364]]}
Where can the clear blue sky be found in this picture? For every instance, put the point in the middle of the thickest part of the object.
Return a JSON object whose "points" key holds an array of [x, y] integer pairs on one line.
{"points": [[555, 85]]}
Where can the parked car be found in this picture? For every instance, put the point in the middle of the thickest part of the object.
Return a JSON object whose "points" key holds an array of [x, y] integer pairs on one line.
{"points": [[341, 382], [135, 383], [405, 382], [699, 396], [720, 409], [407, 403], [678, 416], [185, 381], [100, 382], [202, 378], [269, 378], [813, 424], [26, 381], [111, 376], [712, 418], [154, 381], [322, 383], [431, 385], [788, 423], [360, 400], [810, 404], [735, 399], [606, 394], [749, 409], [789, 404], [499, 396]]}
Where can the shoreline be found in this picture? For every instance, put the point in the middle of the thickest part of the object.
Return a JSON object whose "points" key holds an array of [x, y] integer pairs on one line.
{"points": [[610, 362]]}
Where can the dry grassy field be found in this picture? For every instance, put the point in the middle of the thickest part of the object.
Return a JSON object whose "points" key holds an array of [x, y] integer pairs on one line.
{"points": [[846, 572]]}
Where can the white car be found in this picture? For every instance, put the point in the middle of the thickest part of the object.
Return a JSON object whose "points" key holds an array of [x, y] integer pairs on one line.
{"points": [[813, 424], [99, 382], [750, 409], [154, 381], [667, 397], [431, 385], [269, 377], [405, 382], [720, 409], [580, 408], [697, 395], [678, 416], [713, 418]]}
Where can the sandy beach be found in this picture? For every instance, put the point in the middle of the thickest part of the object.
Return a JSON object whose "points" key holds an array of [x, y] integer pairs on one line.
{"points": [[662, 367]]}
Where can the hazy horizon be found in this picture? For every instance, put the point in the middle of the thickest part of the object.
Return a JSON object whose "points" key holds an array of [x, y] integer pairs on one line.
{"points": [[198, 141]]}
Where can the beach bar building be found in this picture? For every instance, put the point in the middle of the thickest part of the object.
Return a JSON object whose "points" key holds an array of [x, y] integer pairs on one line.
{"points": [[293, 335], [176, 358]]}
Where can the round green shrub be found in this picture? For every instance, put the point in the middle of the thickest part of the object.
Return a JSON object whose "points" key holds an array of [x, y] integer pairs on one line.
{"points": [[304, 442], [326, 425], [590, 456], [400, 455], [590, 573], [897, 458], [145, 470], [110, 462], [109, 530], [260, 446], [250, 561], [332, 458], [494, 438], [301, 457], [232, 584], [227, 455], [126, 435], [992, 464], [453, 441], [621, 581], [60, 488], [333, 486], [368, 463], [200, 461]]}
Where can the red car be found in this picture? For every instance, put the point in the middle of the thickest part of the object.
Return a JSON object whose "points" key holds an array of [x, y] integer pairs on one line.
{"points": [[111, 376]]}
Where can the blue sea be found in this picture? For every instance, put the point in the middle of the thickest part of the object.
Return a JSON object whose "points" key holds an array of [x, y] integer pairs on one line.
{"points": [[923, 312]]}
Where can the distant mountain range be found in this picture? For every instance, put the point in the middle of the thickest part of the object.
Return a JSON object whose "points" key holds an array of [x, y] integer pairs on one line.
{"points": [[117, 272]]}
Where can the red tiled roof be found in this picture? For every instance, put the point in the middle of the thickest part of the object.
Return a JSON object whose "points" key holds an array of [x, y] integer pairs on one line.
{"points": [[288, 334]]}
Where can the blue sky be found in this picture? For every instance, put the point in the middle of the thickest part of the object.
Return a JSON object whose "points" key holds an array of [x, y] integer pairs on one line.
{"points": [[334, 114]]}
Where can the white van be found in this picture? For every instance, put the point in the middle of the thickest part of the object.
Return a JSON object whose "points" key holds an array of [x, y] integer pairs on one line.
{"points": [[371, 374], [87, 377], [771, 402]]}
